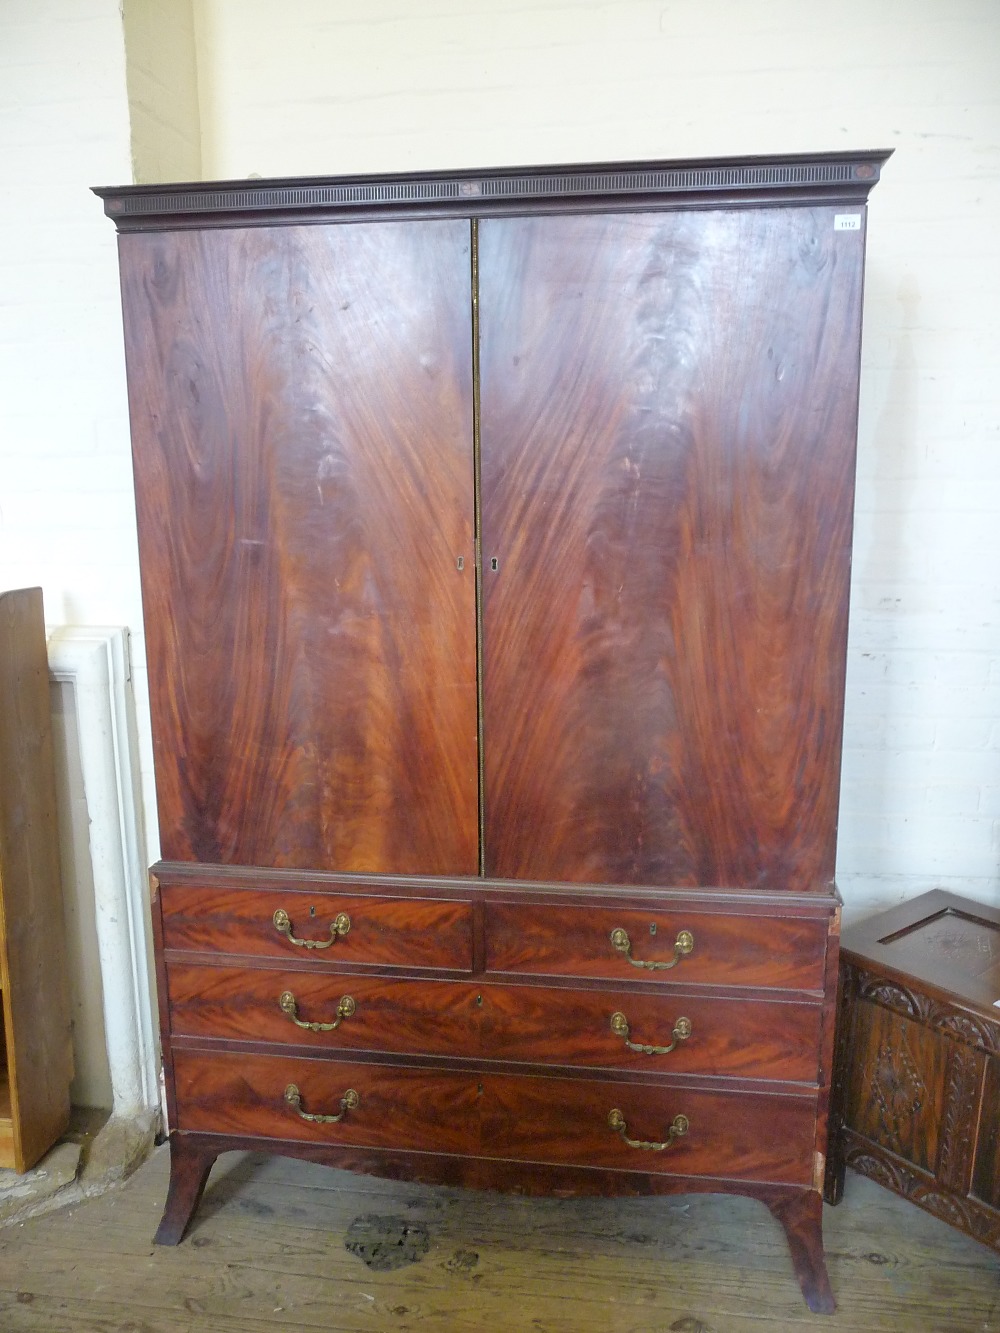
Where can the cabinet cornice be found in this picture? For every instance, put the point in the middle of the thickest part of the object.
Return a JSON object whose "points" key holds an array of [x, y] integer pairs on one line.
{"points": [[704, 183]]}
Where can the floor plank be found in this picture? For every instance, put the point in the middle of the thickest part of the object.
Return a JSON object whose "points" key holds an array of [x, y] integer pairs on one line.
{"points": [[267, 1250]]}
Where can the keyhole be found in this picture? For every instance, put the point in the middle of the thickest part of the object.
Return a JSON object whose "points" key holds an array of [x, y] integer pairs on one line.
{"points": [[494, 564], [652, 927], [460, 562], [479, 999], [312, 911]]}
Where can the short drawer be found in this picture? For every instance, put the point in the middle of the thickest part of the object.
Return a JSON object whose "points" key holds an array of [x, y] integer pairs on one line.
{"points": [[637, 944], [351, 1012], [658, 1033], [334, 928], [558, 1121]]}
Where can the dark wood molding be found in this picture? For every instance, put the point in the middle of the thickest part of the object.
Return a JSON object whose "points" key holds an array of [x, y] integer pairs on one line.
{"points": [[474, 888], [823, 178], [975, 1029]]}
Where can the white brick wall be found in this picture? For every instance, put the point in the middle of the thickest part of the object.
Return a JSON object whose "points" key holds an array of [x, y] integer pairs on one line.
{"points": [[333, 85], [66, 512]]}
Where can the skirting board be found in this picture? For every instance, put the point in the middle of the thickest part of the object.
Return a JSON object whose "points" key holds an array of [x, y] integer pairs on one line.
{"points": [[95, 662]]}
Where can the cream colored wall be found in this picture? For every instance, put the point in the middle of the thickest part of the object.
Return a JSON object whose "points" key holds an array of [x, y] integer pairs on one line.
{"points": [[327, 86], [333, 85], [162, 78]]}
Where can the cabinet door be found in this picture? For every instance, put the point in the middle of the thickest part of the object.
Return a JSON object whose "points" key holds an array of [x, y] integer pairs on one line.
{"points": [[301, 403], [668, 408]]}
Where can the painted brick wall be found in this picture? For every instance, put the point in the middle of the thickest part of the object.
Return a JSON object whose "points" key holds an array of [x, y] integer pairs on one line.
{"points": [[331, 85], [66, 513], [162, 76]]}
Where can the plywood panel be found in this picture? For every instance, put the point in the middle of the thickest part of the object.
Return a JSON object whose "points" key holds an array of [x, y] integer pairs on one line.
{"points": [[33, 981]]}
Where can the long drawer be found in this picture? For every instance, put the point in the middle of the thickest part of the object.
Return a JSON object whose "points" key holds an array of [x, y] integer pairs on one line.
{"points": [[687, 1033], [321, 926], [628, 943], [585, 1122]]}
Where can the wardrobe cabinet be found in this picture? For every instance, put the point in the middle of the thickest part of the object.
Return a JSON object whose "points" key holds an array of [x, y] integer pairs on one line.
{"points": [[495, 532]]}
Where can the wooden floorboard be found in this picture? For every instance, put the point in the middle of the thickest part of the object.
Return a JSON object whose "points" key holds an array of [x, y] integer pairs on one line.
{"points": [[267, 1251]]}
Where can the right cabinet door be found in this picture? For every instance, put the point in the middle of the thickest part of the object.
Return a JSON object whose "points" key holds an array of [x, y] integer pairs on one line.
{"points": [[667, 422]]}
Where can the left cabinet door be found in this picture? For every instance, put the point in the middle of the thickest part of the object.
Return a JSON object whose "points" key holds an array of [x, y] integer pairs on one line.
{"points": [[301, 405]]}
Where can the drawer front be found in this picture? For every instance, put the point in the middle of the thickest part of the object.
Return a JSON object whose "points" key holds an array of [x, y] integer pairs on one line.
{"points": [[731, 1135], [535, 1024], [657, 1034], [556, 1121], [732, 950], [372, 1013], [333, 928], [413, 1109]]}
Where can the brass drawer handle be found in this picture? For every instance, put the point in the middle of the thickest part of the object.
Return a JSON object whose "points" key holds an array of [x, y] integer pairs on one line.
{"points": [[684, 944], [348, 1102], [339, 926], [288, 1005], [681, 1032], [679, 1127]]}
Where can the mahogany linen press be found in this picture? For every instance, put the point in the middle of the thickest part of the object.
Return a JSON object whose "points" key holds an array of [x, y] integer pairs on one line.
{"points": [[495, 532]]}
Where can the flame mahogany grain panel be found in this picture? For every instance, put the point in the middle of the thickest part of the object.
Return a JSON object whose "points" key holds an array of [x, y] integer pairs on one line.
{"points": [[421, 1017], [733, 950], [567, 1026], [551, 1120], [400, 932], [735, 1038], [301, 403], [758, 1137], [427, 1111], [668, 414]]}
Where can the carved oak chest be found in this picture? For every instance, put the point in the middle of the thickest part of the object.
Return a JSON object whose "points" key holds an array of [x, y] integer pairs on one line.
{"points": [[916, 1096]]}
